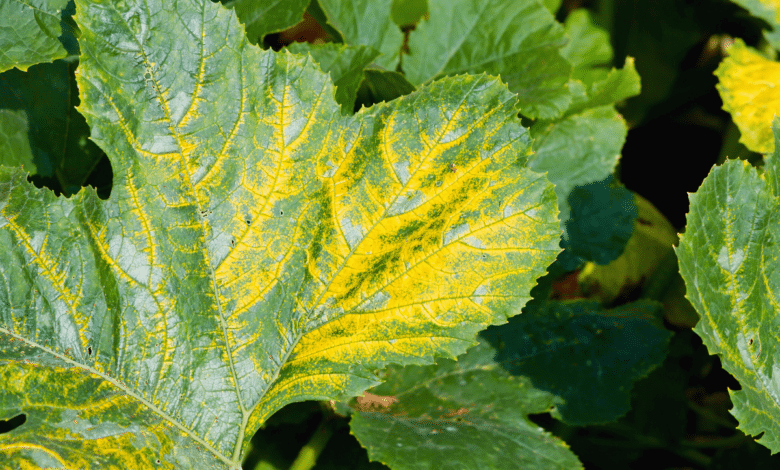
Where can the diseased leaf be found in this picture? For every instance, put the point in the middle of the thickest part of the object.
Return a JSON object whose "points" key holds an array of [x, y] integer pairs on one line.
{"points": [[519, 40], [366, 22], [268, 16], [258, 248], [345, 65], [29, 32], [469, 414], [748, 87], [729, 261]]}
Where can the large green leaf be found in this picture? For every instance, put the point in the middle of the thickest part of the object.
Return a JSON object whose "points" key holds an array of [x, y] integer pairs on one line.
{"points": [[519, 40], [469, 414], [729, 261], [258, 248], [29, 32]]}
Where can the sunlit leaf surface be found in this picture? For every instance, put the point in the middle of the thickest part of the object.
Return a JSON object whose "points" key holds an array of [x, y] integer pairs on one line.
{"points": [[258, 247], [749, 89], [29, 32], [729, 260]]}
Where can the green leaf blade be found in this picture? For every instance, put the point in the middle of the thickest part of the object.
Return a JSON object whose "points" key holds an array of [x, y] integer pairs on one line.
{"points": [[521, 43], [29, 32], [261, 18], [369, 23], [728, 260]]}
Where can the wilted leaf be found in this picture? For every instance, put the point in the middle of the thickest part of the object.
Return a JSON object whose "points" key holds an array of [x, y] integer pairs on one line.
{"points": [[258, 248]]}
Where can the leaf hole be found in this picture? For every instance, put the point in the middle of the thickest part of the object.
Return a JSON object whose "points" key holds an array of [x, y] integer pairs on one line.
{"points": [[750, 342], [8, 425]]}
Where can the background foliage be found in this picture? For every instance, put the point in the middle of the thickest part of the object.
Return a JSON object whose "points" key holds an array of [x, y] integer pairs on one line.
{"points": [[608, 365]]}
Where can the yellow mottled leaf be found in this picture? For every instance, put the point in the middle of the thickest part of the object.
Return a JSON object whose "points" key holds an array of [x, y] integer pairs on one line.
{"points": [[750, 89]]}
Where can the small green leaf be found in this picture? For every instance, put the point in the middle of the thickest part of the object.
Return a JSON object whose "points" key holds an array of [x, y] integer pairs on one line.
{"points": [[578, 149], [382, 85], [408, 12], [602, 220], [769, 11], [588, 44], [29, 32]]}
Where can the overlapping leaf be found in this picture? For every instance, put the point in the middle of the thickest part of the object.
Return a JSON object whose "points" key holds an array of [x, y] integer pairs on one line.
{"points": [[769, 11], [261, 18], [258, 248], [520, 41], [29, 32], [469, 414], [729, 260], [368, 23], [62, 155]]}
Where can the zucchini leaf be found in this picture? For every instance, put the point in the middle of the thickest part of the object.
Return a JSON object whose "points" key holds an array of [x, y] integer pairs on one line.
{"points": [[258, 248]]}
